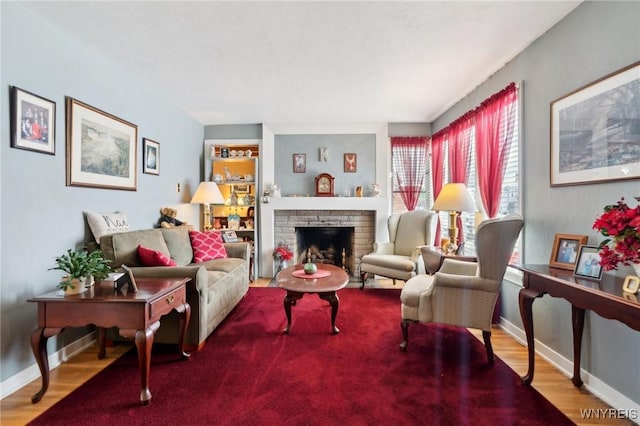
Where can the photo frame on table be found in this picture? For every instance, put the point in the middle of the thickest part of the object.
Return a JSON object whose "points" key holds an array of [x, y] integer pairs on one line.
{"points": [[588, 263], [350, 162], [595, 131], [32, 122], [101, 148], [565, 250], [299, 163], [229, 236], [150, 157]]}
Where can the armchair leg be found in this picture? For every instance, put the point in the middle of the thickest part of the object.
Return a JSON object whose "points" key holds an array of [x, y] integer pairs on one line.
{"points": [[404, 325], [363, 277], [486, 335]]}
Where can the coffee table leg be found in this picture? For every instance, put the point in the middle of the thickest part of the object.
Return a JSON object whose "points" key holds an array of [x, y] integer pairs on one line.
{"points": [[333, 300], [290, 299]]}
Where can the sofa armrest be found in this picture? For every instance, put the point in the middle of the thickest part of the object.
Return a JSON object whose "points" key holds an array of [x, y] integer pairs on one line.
{"points": [[198, 275], [241, 250]]}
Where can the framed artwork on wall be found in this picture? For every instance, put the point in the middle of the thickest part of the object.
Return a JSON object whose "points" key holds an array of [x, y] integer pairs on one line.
{"points": [[565, 250], [350, 162], [588, 263], [101, 148], [299, 163], [33, 122], [595, 131], [150, 157]]}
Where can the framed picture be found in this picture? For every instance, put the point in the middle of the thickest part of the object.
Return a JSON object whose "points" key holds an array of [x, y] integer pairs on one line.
{"points": [[241, 189], [565, 250], [33, 122], [299, 163], [595, 131], [350, 162], [101, 148], [588, 264], [150, 157], [229, 236]]}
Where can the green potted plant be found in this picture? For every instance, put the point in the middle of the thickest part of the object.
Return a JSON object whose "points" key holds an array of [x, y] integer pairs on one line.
{"points": [[80, 266]]}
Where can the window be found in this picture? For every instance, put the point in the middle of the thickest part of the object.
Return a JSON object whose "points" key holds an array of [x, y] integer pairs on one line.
{"points": [[510, 190]]}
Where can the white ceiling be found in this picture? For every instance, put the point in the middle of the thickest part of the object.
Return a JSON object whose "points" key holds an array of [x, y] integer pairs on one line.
{"points": [[308, 62]]}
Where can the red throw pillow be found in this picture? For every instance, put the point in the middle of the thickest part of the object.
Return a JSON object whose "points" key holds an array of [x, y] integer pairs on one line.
{"points": [[207, 246], [150, 257]]}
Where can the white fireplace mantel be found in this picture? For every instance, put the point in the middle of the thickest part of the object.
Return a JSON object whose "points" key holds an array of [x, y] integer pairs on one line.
{"points": [[267, 212]]}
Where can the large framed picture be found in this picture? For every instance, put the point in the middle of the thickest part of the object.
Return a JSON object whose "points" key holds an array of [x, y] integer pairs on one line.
{"points": [[101, 148], [565, 250], [595, 131], [150, 156], [33, 122], [588, 263]]}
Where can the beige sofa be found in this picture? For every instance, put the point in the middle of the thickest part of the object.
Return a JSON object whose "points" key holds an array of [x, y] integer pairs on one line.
{"points": [[215, 288]]}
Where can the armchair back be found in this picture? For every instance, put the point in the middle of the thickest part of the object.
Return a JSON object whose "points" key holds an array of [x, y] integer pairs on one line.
{"points": [[495, 240], [411, 229]]}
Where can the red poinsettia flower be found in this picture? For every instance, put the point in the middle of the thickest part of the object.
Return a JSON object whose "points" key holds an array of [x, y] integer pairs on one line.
{"points": [[621, 225], [282, 252]]}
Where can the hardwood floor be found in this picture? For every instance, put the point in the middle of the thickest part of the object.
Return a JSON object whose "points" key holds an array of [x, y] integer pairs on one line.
{"points": [[17, 409]]}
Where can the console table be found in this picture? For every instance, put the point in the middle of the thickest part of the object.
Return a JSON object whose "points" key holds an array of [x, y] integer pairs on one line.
{"points": [[605, 298], [137, 315]]}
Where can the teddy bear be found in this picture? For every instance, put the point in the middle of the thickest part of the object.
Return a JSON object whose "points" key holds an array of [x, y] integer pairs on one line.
{"points": [[168, 218]]}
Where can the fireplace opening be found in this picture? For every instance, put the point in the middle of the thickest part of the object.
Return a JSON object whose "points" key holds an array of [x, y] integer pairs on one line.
{"points": [[329, 245]]}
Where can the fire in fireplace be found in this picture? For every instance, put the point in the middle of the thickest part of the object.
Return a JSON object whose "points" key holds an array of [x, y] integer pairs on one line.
{"points": [[331, 245]]}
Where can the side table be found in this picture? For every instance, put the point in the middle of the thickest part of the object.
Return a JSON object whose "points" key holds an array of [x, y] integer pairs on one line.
{"points": [[434, 256], [137, 315]]}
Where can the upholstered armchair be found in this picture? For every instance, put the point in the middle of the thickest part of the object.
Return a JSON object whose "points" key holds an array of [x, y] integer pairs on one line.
{"points": [[464, 293], [398, 258]]}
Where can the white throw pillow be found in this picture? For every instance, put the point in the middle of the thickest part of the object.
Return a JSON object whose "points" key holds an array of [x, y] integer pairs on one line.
{"points": [[107, 223]]}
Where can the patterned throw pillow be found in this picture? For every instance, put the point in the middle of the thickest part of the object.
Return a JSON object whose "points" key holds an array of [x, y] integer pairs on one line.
{"points": [[106, 223], [150, 257], [207, 246]]}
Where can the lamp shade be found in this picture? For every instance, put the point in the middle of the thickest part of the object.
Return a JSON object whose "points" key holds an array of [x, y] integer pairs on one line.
{"points": [[454, 197], [207, 193]]}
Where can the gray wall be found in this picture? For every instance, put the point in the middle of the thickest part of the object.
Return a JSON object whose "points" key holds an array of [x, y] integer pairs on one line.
{"points": [[593, 41], [39, 216], [303, 184]]}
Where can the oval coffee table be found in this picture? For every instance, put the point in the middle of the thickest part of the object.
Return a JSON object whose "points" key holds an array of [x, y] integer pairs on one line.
{"points": [[326, 282]]}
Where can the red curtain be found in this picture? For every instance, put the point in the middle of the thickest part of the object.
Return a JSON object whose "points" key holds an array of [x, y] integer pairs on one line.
{"points": [[437, 169], [494, 132], [410, 161], [460, 132]]}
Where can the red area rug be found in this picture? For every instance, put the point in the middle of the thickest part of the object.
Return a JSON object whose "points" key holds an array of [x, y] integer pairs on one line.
{"points": [[249, 373]]}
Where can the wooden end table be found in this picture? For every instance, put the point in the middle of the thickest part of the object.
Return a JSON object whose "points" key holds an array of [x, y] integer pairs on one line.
{"points": [[326, 288], [137, 315]]}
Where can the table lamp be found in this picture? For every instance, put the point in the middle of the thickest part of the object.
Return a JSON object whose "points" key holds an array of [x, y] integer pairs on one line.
{"points": [[207, 193], [454, 198]]}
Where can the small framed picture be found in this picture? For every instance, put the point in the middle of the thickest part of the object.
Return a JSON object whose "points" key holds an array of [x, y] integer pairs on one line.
{"points": [[224, 152], [588, 263], [241, 189], [350, 162], [150, 157], [299, 163], [33, 122], [565, 250], [229, 236]]}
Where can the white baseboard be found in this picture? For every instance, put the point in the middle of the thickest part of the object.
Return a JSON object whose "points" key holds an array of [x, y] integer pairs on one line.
{"points": [[594, 385], [31, 373]]}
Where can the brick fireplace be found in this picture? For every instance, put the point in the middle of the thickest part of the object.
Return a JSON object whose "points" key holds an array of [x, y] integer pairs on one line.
{"points": [[353, 231]]}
